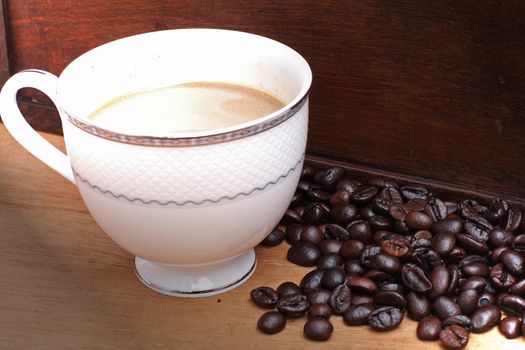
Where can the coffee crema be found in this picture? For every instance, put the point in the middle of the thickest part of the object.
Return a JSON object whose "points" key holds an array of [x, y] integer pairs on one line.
{"points": [[187, 107]]}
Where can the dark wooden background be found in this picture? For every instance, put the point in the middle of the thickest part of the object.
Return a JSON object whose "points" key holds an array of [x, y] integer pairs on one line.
{"points": [[431, 89]]}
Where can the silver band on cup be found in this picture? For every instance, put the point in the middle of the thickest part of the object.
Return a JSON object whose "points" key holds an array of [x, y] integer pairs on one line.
{"points": [[186, 141]]}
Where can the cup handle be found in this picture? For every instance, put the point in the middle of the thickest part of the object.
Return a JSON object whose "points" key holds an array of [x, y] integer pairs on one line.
{"points": [[19, 128]]}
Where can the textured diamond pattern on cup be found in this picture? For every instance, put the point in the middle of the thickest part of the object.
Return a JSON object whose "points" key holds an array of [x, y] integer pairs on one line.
{"points": [[196, 173]]}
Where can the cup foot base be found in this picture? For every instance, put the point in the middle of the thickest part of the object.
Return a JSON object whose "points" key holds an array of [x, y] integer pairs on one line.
{"points": [[196, 281]]}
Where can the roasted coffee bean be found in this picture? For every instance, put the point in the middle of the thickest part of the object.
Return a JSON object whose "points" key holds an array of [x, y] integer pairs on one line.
{"points": [[319, 296], [514, 262], [452, 208], [291, 217], [459, 320], [314, 214], [303, 254], [478, 227], [387, 263], [297, 199], [455, 255], [330, 246], [362, 285], [426, 259], [288, 288], [512, 220], [347, 185], [383, 182], [352, 249], [500, 278], [335, 231], [398, 211], [428, 328], [308, 172], [364, 194], [440, 279], [368, 255], [343, 214], [305, 186], [415, 278], [340, 197], [357, 315], [513, 305], [386, 198], [447, 225], [415, 204], [311, 234], [378, 276], [444, 307], [367, 212], [293, 233], [454, 278], [320, 310], [333, 278], [523, 325], [418, 306], [496, 211], [418, 221], [518, 288], [293, 306], [475, 269], [401, 227], [340, 299], [317, 195], [436, 209], [518, 244], [385, 318], [271, 322], [486, 299], [500, 238], [421, 239], [264, 297], [380, 222], [414, 191], [392, 287], [496, 254], [354, 268], [468, 300], [274, 238], [330, 177], [311, 281], [485, 318], [329, 261], [510, 327], [471, 244], [360, 230], [454, 337], [397, 247], [473, 259], [381, 235], [360, 299], [443, 243], [390, 299], [477, 283], [318, 329]]}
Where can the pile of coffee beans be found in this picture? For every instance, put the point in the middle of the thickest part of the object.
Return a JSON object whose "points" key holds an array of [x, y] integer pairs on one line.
{"points": [[380, 250]]}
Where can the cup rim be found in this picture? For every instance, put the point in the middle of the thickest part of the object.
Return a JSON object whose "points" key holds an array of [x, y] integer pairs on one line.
{"points": [[197, 137]]}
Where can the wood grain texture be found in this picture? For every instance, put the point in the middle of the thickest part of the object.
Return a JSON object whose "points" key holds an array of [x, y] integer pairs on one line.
{"points": [[66, 285], [435, 90], [4, 61]]}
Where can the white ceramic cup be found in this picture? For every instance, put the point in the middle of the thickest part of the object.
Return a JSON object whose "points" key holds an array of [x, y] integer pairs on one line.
{"points": [[190, 206]]}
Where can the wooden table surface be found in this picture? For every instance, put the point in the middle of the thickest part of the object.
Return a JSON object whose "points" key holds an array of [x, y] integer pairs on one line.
{"points": [[66, 285]]}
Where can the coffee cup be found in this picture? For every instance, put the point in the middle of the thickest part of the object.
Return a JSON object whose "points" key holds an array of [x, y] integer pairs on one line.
{"points": [[190, 205]]}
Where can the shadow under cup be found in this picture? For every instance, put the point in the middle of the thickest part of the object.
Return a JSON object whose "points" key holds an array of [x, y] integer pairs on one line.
{"points": [[190, 206]]}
